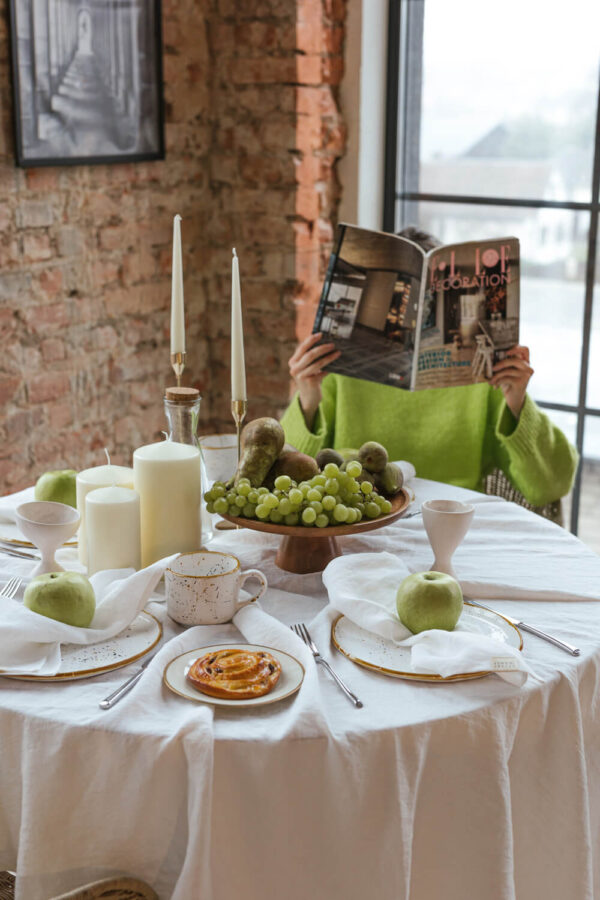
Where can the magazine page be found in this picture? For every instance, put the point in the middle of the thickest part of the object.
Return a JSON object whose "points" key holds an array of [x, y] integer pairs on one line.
{"points": [[369, 305], [470, 314]]}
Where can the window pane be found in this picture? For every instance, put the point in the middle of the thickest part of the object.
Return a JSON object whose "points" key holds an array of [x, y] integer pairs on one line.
{"points": [[593, 379], [589, 504], [509, 98], [552, 286]]}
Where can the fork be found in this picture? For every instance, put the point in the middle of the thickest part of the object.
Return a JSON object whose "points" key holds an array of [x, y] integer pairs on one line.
{"points": [[302, 631], [10, 589]]}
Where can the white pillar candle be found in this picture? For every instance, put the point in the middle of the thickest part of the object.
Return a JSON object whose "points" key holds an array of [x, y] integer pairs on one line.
{"points": [[112, 516], [167, 478], [238, 368], [90, 480], [177, 313]]}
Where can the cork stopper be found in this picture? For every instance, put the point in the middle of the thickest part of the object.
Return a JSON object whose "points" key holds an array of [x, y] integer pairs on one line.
{"points": [[182, 394]]}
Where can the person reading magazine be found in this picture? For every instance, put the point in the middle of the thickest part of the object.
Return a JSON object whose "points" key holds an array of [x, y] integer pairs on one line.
{"points": [[456, 435]]}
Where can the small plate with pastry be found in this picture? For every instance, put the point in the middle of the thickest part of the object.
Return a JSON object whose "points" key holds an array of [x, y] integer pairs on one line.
{"points": [[237, 675]]}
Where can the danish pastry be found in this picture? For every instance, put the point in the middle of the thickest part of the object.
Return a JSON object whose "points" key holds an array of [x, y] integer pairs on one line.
{"points": [[235, 674]]}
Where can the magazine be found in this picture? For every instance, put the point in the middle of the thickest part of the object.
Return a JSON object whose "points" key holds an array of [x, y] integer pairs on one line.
{"points": [[418, 320]]}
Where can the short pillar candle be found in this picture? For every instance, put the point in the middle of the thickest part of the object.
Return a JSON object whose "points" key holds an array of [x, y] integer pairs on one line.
{"points": [[90, 480], [112, 517], [167, 478]]}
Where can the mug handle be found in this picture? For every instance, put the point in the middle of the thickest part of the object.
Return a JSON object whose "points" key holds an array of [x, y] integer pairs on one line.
{"points": [[252, 573]]}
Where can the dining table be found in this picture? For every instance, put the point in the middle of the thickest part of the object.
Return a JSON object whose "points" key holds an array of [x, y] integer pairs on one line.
{"points": [[475, 788]]}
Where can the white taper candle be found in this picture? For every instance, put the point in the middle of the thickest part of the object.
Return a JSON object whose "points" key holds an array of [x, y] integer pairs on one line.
{"points": [[238, 368], [177, 312]]}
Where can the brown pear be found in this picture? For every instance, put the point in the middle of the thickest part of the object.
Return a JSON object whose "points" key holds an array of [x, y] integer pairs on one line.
{"points": [[299, 467]]}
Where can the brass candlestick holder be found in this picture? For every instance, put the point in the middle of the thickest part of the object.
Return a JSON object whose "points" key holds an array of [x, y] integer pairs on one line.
{"points": [[178, 364], [238, 411]]}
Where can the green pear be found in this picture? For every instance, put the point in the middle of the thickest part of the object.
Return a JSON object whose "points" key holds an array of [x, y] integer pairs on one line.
{"points": [[58, 487], [65, 596], [429, 600], [390, 481], [262, 441]]}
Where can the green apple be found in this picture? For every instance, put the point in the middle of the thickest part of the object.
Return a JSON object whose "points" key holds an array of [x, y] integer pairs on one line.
{"points": [[429, 600], [65, 596], [58, 487]]}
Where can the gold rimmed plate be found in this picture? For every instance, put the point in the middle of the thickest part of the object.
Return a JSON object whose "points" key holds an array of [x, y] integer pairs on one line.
{"points": [[10, 536], [86, 660], [382, 655], [290, 680]]}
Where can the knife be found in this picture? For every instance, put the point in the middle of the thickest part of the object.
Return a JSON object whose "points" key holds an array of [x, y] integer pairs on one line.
{"points": [[18, 553], [574, 651], [120, 692]]}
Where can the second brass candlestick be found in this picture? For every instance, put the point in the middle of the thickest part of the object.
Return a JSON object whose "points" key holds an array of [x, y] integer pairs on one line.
{"points": [[238, 411]]}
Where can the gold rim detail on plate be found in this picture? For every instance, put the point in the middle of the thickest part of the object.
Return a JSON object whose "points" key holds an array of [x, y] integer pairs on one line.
{"points": [[414, 676], [101, 670], [18, 542], [239, 704]]}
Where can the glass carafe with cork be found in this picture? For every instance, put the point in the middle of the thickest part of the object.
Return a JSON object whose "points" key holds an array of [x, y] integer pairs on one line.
{"points": [[182, 409]]}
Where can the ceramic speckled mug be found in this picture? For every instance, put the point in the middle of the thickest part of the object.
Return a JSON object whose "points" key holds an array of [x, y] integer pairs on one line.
{"points": [[203, 588]]}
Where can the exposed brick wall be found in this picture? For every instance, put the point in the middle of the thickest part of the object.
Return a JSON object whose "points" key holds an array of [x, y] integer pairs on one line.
{"points": [[253, 132]]}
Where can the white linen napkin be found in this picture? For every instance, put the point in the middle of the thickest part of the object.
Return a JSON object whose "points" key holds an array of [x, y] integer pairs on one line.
{"points": [[9, 504], [407, 469], [30, 643], [363, 587], [147, 696], [304, 716]]}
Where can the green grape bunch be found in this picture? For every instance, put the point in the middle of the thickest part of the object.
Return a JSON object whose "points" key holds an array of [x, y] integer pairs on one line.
{"points": [[333, 497]]}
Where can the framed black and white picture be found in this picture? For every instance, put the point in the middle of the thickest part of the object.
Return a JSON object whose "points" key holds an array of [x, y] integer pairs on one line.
{"points": [[87, 78]]}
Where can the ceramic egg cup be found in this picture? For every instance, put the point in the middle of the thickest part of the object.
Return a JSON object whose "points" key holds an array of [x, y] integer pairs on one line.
{"points": [[446, 523], [47, 525]]}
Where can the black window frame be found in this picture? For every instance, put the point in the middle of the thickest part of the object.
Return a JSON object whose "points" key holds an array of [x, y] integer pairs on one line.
{"points": [[401, 194]]}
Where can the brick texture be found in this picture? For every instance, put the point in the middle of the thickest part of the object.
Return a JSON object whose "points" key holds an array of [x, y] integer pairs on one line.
{"points": [[253, 135]]}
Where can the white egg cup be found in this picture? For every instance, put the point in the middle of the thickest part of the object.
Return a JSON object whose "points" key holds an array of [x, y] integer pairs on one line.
{"points": [[446, 523], [47, 525]]}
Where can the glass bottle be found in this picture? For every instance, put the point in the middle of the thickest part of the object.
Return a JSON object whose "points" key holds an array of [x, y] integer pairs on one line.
{"points": [[182, 409]]}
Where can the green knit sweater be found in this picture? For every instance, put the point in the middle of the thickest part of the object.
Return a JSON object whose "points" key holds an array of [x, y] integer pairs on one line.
{"points": [[455, 435]]}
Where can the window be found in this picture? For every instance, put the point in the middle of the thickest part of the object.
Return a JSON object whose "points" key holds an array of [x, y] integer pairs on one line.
{"points": [[492, 129]]}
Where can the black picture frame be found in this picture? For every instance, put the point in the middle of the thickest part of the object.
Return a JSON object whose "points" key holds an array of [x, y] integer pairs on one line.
{"points": [[87, 81]]}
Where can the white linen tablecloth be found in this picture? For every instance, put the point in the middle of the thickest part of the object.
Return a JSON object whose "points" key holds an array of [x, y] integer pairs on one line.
{"points": [[474, 789]]}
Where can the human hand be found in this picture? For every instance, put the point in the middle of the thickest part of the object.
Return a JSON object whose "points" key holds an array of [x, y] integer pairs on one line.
{"points": [[306, 368], [512, 375]]}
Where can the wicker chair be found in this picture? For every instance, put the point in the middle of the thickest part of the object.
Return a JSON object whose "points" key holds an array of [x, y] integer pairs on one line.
{"points": [[499, 485], [7, 886], [106, 889]]}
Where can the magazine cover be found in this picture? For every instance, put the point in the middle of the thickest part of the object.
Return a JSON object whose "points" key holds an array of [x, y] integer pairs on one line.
{"points": [[470, 312], [415, 320]]}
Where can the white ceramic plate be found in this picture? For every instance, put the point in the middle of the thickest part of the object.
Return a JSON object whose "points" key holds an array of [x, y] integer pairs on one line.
{"points": [[10, 534], [292, 676], [377, 653], [84, 661]]}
